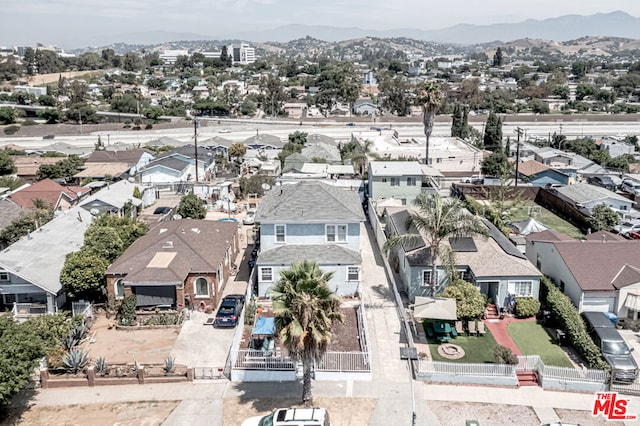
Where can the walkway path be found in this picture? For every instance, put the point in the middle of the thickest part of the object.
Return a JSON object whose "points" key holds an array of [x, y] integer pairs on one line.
{"points": [[498, 329]]}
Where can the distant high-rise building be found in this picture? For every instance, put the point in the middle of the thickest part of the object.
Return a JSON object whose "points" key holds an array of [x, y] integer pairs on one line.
{"points": [[242, 54]]}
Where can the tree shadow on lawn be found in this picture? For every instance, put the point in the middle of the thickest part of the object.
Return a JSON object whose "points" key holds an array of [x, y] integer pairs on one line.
{"points": [[11, 413]]}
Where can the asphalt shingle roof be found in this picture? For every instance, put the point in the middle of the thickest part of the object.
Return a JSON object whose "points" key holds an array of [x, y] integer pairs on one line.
{"points": [[310, 201], [584, 193], [323, 254], [185, 246]]}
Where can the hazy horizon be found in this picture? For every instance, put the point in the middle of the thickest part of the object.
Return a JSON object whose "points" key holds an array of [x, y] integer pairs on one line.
{"points": [[68, 22]]}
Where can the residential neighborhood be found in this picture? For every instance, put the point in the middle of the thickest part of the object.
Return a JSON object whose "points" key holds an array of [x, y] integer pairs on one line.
{"points": [[359, 232]]}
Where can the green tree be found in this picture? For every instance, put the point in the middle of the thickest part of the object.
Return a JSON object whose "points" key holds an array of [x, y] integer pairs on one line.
{"points": [[498, 58], [7, 115], [11, 182], [191, 207], [305, 310], [272, 95], [237, 150], [254, 183], [153, 112], [137, 193], [603, 218], [493, 132], [395, 95], [7, 166], [82, 275], [104, 241], [429, 97], [52, 115], [496, 164], [435, 220]]}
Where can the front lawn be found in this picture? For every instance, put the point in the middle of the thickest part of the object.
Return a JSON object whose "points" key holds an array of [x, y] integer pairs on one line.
{"points": [[477, 349], [532, 339]]}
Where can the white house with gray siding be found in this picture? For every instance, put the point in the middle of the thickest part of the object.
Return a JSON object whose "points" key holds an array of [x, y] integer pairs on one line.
{"points": [[401, 180], [312, 221]]}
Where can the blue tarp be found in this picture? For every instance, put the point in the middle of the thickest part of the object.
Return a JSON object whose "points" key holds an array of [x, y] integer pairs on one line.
{"points": [[264, 326]]}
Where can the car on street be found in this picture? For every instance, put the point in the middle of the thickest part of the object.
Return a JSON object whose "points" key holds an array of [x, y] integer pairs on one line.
{"points": [[624, 228], [162, 210], [249, 217], [604, 182], [631, 187], [291, 416], [224, 131], [229, 311]]}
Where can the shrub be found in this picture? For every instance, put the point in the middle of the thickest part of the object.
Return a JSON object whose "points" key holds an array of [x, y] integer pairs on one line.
{"points": [[127, 311], [101, 365], [10, 130], [170, 364], [527, 307], [504, 355], [70, 342], [148, 126], [571, 322], [75, 360], [164, 319]]}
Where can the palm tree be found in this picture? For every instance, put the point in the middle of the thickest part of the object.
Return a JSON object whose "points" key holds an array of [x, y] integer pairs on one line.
{"points": [[305, 309], [429, 97], [436, 218]]}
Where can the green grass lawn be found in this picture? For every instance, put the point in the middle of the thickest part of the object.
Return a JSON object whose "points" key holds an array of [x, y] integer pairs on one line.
{"points": [[548, 219], [477, 349], [532, 339]]}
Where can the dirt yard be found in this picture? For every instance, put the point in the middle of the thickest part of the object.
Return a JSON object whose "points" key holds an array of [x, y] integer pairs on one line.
{"points": [[123, 414], [121, 346]]}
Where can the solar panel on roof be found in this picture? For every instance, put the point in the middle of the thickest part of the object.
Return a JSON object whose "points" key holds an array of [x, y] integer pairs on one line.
{"points": [[463, 244]]}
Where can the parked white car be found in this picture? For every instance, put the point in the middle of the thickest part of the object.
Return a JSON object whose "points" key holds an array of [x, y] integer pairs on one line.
{"points": [[631, 186], [625, 227], [291, 417], [249, 217]]}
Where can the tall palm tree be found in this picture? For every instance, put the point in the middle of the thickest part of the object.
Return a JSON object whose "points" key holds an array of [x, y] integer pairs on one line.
{"points": [[305, 309], [429, 97], [436, 218]]}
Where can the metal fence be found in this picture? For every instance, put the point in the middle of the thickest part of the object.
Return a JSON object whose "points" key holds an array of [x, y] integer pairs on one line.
{"points": [[345, 362], [251, 359], [26, 310], [208, 373]]}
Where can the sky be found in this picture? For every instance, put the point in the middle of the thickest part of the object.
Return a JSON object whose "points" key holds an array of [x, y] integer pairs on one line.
{"points": [[70, 22]]}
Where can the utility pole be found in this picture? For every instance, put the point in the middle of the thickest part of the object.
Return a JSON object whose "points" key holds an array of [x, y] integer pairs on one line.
{"points": [[519, 131], [195, 142]]}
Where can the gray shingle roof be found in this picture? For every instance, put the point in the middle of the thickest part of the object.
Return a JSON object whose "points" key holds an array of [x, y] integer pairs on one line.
{"points": [[395, 168], [323, 254], [40, 257], [584, 193], [9, 212], [310, 201], [168, 162]]}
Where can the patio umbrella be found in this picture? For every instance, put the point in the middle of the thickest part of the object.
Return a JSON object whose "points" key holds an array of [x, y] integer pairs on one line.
{"points": [[439, 308]]}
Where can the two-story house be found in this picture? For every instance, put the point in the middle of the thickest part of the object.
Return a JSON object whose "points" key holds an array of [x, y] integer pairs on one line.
{"points": [[311, 221], [179, 165], [401, 180]]}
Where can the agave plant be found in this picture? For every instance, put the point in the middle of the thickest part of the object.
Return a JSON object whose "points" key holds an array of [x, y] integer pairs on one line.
{"points": [[79, 332], [75, 360], [101, 365], [170, 364], [70, 342]]}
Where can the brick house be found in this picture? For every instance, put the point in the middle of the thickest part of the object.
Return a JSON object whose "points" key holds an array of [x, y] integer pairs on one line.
{"points": [[177, 264]]}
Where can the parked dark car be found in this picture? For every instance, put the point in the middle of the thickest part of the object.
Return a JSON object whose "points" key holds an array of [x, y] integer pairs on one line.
{"points": [[229, 311], [162, 210], [603, 181]]}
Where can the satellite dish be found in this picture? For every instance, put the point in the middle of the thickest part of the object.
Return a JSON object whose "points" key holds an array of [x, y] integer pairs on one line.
{"points": [[94, 212], [266, 186], [131, 179]]}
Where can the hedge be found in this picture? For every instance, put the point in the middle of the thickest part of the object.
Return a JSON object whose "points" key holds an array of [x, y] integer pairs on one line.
{"points": [[571, 322], [526, 307]]}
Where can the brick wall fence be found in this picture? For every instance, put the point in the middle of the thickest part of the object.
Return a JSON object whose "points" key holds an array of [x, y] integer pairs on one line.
{"points": [[90, 378]]}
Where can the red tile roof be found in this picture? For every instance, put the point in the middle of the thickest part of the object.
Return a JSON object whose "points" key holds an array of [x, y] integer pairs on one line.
{"points": [[47, 190]]}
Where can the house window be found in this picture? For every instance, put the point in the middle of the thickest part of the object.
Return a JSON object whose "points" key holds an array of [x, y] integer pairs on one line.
{"points": [[426, 277], [119, 288], [281, 231], [522, 288], [395, 181], [438, 160], [4, 276], [337, 233], [411, 181], [465, 275], [266, 274], [9, 299], [353, 273], [201, 287], [384, 180]]}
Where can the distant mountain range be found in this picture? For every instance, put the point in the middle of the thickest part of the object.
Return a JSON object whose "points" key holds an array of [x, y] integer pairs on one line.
{"points": [[563, 28]]}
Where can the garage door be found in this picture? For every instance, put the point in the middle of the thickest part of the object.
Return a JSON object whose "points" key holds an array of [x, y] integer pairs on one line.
{"points": [[600, 304], [155, 295]]}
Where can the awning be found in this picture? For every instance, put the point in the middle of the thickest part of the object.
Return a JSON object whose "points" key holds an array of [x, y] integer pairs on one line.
{"points": [[632, 302], [430, 308], [264, 326]]}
